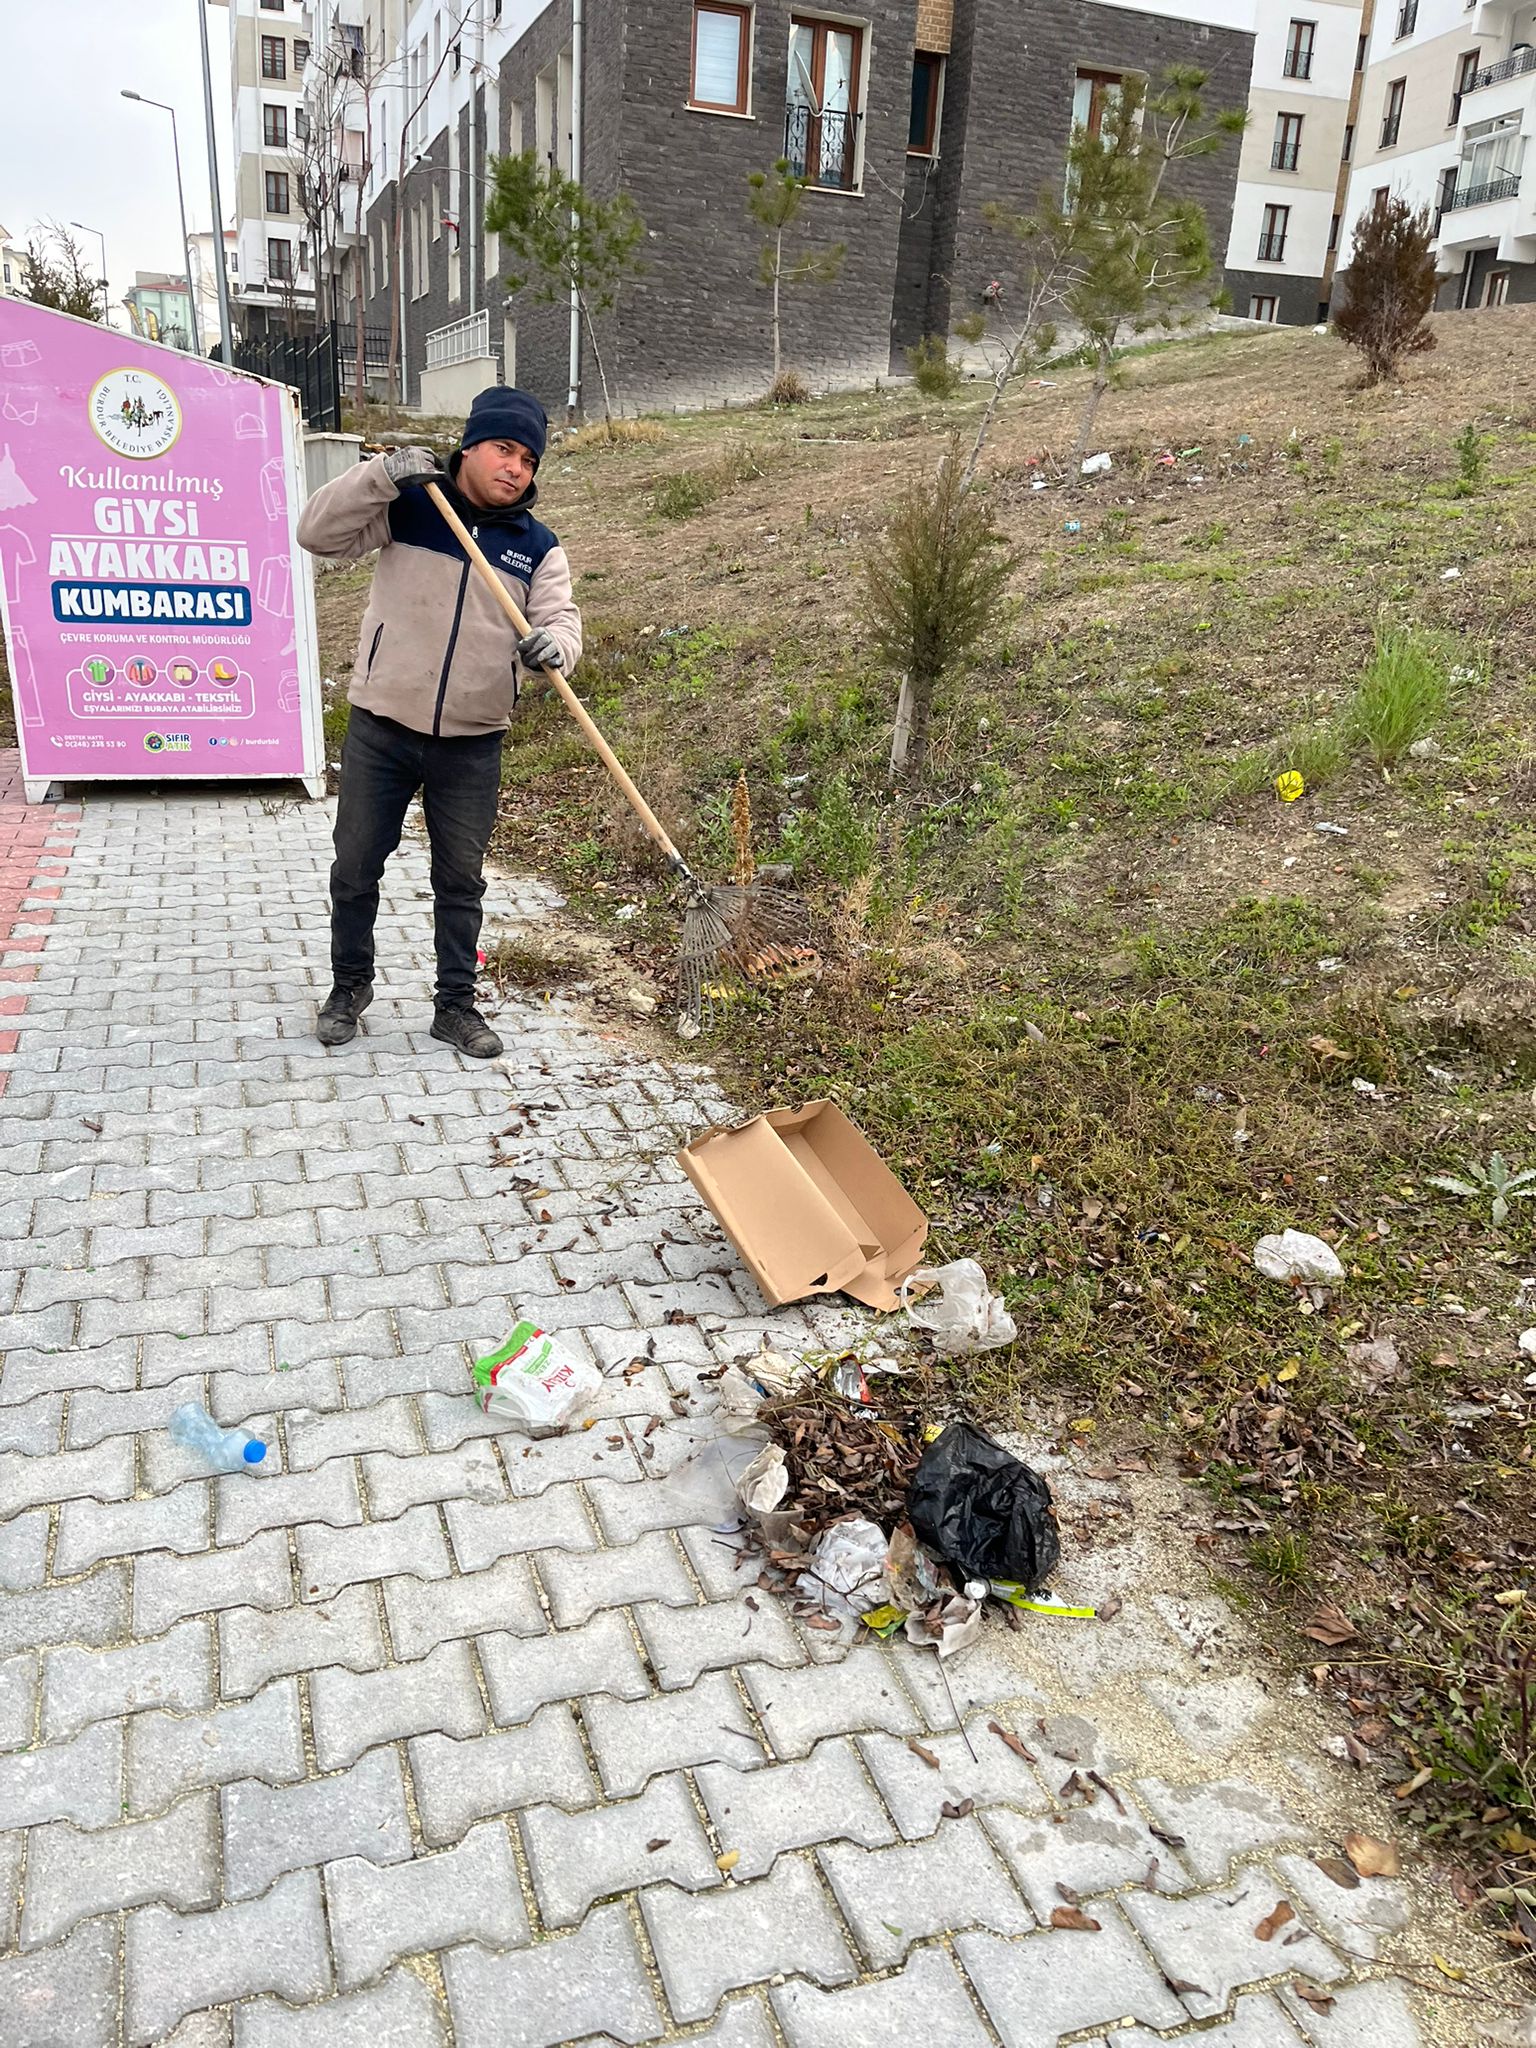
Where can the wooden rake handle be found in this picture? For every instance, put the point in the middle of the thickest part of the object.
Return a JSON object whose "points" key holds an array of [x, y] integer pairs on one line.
{"points": [[568, 696]]}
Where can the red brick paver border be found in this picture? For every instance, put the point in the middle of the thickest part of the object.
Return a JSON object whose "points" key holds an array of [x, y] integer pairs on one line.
{"points": [[34, 841]]}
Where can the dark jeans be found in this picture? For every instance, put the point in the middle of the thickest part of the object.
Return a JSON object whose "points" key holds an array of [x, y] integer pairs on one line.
{"points": [[382, 767]]}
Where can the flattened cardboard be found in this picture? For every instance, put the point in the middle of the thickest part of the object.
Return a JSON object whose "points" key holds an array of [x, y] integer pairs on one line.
{"points": [[809, 1204]]}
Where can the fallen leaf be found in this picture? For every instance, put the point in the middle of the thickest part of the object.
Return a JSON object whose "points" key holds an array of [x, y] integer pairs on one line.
{"points": [[1075, 1918], [729, 1860], [1163, 1835], [1109, 1608], [1341, 1872], [824, 1622], [660, 1842], [1282, 1915], [927, 1755], [1320, 2000], [1072, 1898], [1182, 1986], [1414, 1784], [957, 1810], [1449, 1970], [1329, 1625], [1372, 1858], [1007, 1735]]}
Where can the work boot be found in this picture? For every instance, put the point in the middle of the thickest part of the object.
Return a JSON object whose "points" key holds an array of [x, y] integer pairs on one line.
{"points": [[337, 1021], [464, 1027]]}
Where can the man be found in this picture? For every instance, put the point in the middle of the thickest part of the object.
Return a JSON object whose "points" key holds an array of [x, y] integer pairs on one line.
{"points": [[434, 685]]}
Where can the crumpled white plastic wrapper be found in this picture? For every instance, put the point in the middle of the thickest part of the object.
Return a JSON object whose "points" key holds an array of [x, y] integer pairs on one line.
{"points": [[850, 1568], [1296, 1256], [765, 1481], [965, 1315], [947, 1628]]}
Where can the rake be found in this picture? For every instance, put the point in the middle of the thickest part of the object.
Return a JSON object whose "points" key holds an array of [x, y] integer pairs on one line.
{"points": [[732, 937]]}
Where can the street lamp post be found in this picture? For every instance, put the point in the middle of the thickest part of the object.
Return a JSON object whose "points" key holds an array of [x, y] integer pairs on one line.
{"points": [[197, 339], [105, 302], [226, 338]]}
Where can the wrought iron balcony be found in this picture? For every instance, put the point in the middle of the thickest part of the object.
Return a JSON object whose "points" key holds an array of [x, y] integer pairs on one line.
{"points": [[1285, 156], [1488, 193], [1515, 65], [820, 147], [1271, 249]]}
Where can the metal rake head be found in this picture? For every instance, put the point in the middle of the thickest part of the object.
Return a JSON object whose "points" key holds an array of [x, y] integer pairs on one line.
{"points": [[735, 938]]}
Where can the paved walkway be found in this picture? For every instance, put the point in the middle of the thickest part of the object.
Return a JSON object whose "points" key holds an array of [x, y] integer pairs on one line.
{"points": [[427, 1735]]}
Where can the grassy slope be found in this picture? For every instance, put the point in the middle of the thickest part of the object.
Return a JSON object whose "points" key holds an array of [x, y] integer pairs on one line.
{"points": [[1077, 994]]}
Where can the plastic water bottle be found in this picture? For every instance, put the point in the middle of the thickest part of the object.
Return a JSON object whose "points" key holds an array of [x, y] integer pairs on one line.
{"points": [[223, 1450]]}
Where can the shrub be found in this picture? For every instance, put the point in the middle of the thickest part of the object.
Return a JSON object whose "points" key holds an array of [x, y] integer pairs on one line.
{"points": [[1471, 459], [609, 433], [934, 372], [789, 388], [1392, 285], [683, 493], [1400, 696], [1317, 753]]}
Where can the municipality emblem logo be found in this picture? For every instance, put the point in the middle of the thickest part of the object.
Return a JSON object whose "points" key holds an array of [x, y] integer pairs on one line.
{"points": [[135, 414]]}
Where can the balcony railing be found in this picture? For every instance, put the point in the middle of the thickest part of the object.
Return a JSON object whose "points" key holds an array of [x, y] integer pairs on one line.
{"points": [[820, 147], [1271, 249], [1515, 65], [1285, 156], [1486, 194], [461, 342], [1391, 128], [1298, 63]]}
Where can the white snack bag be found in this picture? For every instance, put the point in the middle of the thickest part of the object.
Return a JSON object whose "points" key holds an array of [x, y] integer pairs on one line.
{"points": [[967, 1316], [533, 1383]]}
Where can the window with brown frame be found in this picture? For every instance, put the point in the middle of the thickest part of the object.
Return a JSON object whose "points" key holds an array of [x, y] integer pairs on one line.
{"points": [[1095, 94], [821, 111], [280, 260], [1392, 116], [1467, 67], [277, 191], [274, 127], [721, 65], [927, 84], [274, 57], [1286, 153]]}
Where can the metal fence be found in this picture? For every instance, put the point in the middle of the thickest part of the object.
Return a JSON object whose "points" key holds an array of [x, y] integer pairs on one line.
{"points": [[309, 362], [461, 342]]}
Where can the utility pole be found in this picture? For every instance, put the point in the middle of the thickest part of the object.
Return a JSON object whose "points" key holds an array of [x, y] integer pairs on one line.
{"points": [[226, 337], [181, 201]]}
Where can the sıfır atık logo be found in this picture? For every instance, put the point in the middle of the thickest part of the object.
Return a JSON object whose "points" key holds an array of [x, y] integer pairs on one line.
{"points": [[135, 414]]}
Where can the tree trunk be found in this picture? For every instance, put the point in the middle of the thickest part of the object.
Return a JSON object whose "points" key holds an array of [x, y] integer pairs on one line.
{"points": [[909, 742], [602, 374], [778, 271], [1090, 414], [393, 365]]}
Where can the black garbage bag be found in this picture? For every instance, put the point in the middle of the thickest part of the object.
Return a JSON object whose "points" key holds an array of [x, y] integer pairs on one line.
{"points": [[981, 1510]]}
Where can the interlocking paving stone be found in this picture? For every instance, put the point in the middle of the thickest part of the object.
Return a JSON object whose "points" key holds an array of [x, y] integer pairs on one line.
{"points": [[170, 1753], [480, 1534], [1219, 1821], [421, 1614], [521, 1675], [269, 1830], [246, 1505], [18, 1701], [91, 1530], [636, 1740], [1363, 2016], [332, 1558], [313, 1436], [63, 1997], [1214, 1717], [1053, 1983], [104, 1472], [589, 1982], [23, 1553], [254, 1574], [760, 1814], [916, 1793], [32, 1429], [577, 1858], [726, 1940], [926, 2002], [799, 1708], [649, 1569], [352, 1711], [79, 1781], [174, 1964], [395, 1484], [1358, 1919], [254, 1647], [1257, 2022], [397, 2012], [1211, 1941], [1092, 1849], [458, 1783], [72, 1875], [173, 1670], [684, 1641], [469, 1893], [893, 1897]]}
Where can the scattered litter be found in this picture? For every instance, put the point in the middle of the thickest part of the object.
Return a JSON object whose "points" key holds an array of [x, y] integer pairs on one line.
{"points": [[1449, 575], [847, 1565], [1037, 483], [1366, 1088], [625, 912], [1296, 1256], [1441, 1074], [1338, 831], [983, 1511], [530, 1382], [1098, 465], [968, 1316], [1331, 965], [1015, 1596], [1289, 786], [1425, 749], [949, 1626], [765, 1481], [1528, 1343], [221, 1450], [643, 1003], [1072, 526]]}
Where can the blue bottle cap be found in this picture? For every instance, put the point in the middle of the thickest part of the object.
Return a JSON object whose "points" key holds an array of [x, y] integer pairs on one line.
{"points": [[255, 1452]]}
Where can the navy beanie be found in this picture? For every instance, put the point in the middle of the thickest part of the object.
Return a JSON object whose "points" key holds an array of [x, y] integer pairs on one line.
{"points": [[506, 414]]}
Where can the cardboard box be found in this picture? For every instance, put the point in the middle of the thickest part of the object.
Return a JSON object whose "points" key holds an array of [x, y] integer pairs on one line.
{"points": [[809, 1204]]}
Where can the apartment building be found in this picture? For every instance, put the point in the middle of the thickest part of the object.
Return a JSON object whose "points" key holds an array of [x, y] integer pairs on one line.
{"points": [[272, 288], [1447, 112], [907, 116], [1285, 222], [13, 258]]}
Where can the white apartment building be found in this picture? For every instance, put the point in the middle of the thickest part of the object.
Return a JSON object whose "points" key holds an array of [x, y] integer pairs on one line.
{"points": [[1446, 116], [269, 54], [1285, 216]]}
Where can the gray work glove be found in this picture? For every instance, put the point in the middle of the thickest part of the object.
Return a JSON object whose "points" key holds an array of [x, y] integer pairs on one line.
{"points": [[540, 649], [410, 465]]}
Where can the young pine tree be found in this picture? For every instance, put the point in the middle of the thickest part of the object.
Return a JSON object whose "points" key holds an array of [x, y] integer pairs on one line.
{"points": [[776, 202], [1391, 284]]}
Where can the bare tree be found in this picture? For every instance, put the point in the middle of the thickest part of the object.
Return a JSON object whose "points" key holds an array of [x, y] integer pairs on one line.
{"points": [[397, 210]]}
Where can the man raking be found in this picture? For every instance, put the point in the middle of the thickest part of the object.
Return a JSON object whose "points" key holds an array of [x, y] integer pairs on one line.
{"points": [[434, 686]]}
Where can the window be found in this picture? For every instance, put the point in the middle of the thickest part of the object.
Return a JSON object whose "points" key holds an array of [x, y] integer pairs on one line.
{"points": [[1444, 192], [274, 57], [1392, 118], [277, 191], [1496, 289], [927, 82], [457, 54], [1380, 197], [354, 51], [1407, 18], [1286, 153], [1096, 94], [300, 124], [274, 127], [1360, 49], [1333, 233], [821, 110], [1277, 221], [495, 10], [273, 6], [7, 270], [722, 47], [300, 54], [1299, 42], [280, 261], [1349, 142], [1466, 71], [1262, 307]]}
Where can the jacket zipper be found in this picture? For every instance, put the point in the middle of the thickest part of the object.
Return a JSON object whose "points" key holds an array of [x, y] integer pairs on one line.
{"points": [[378, 635], [453, 635]]}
